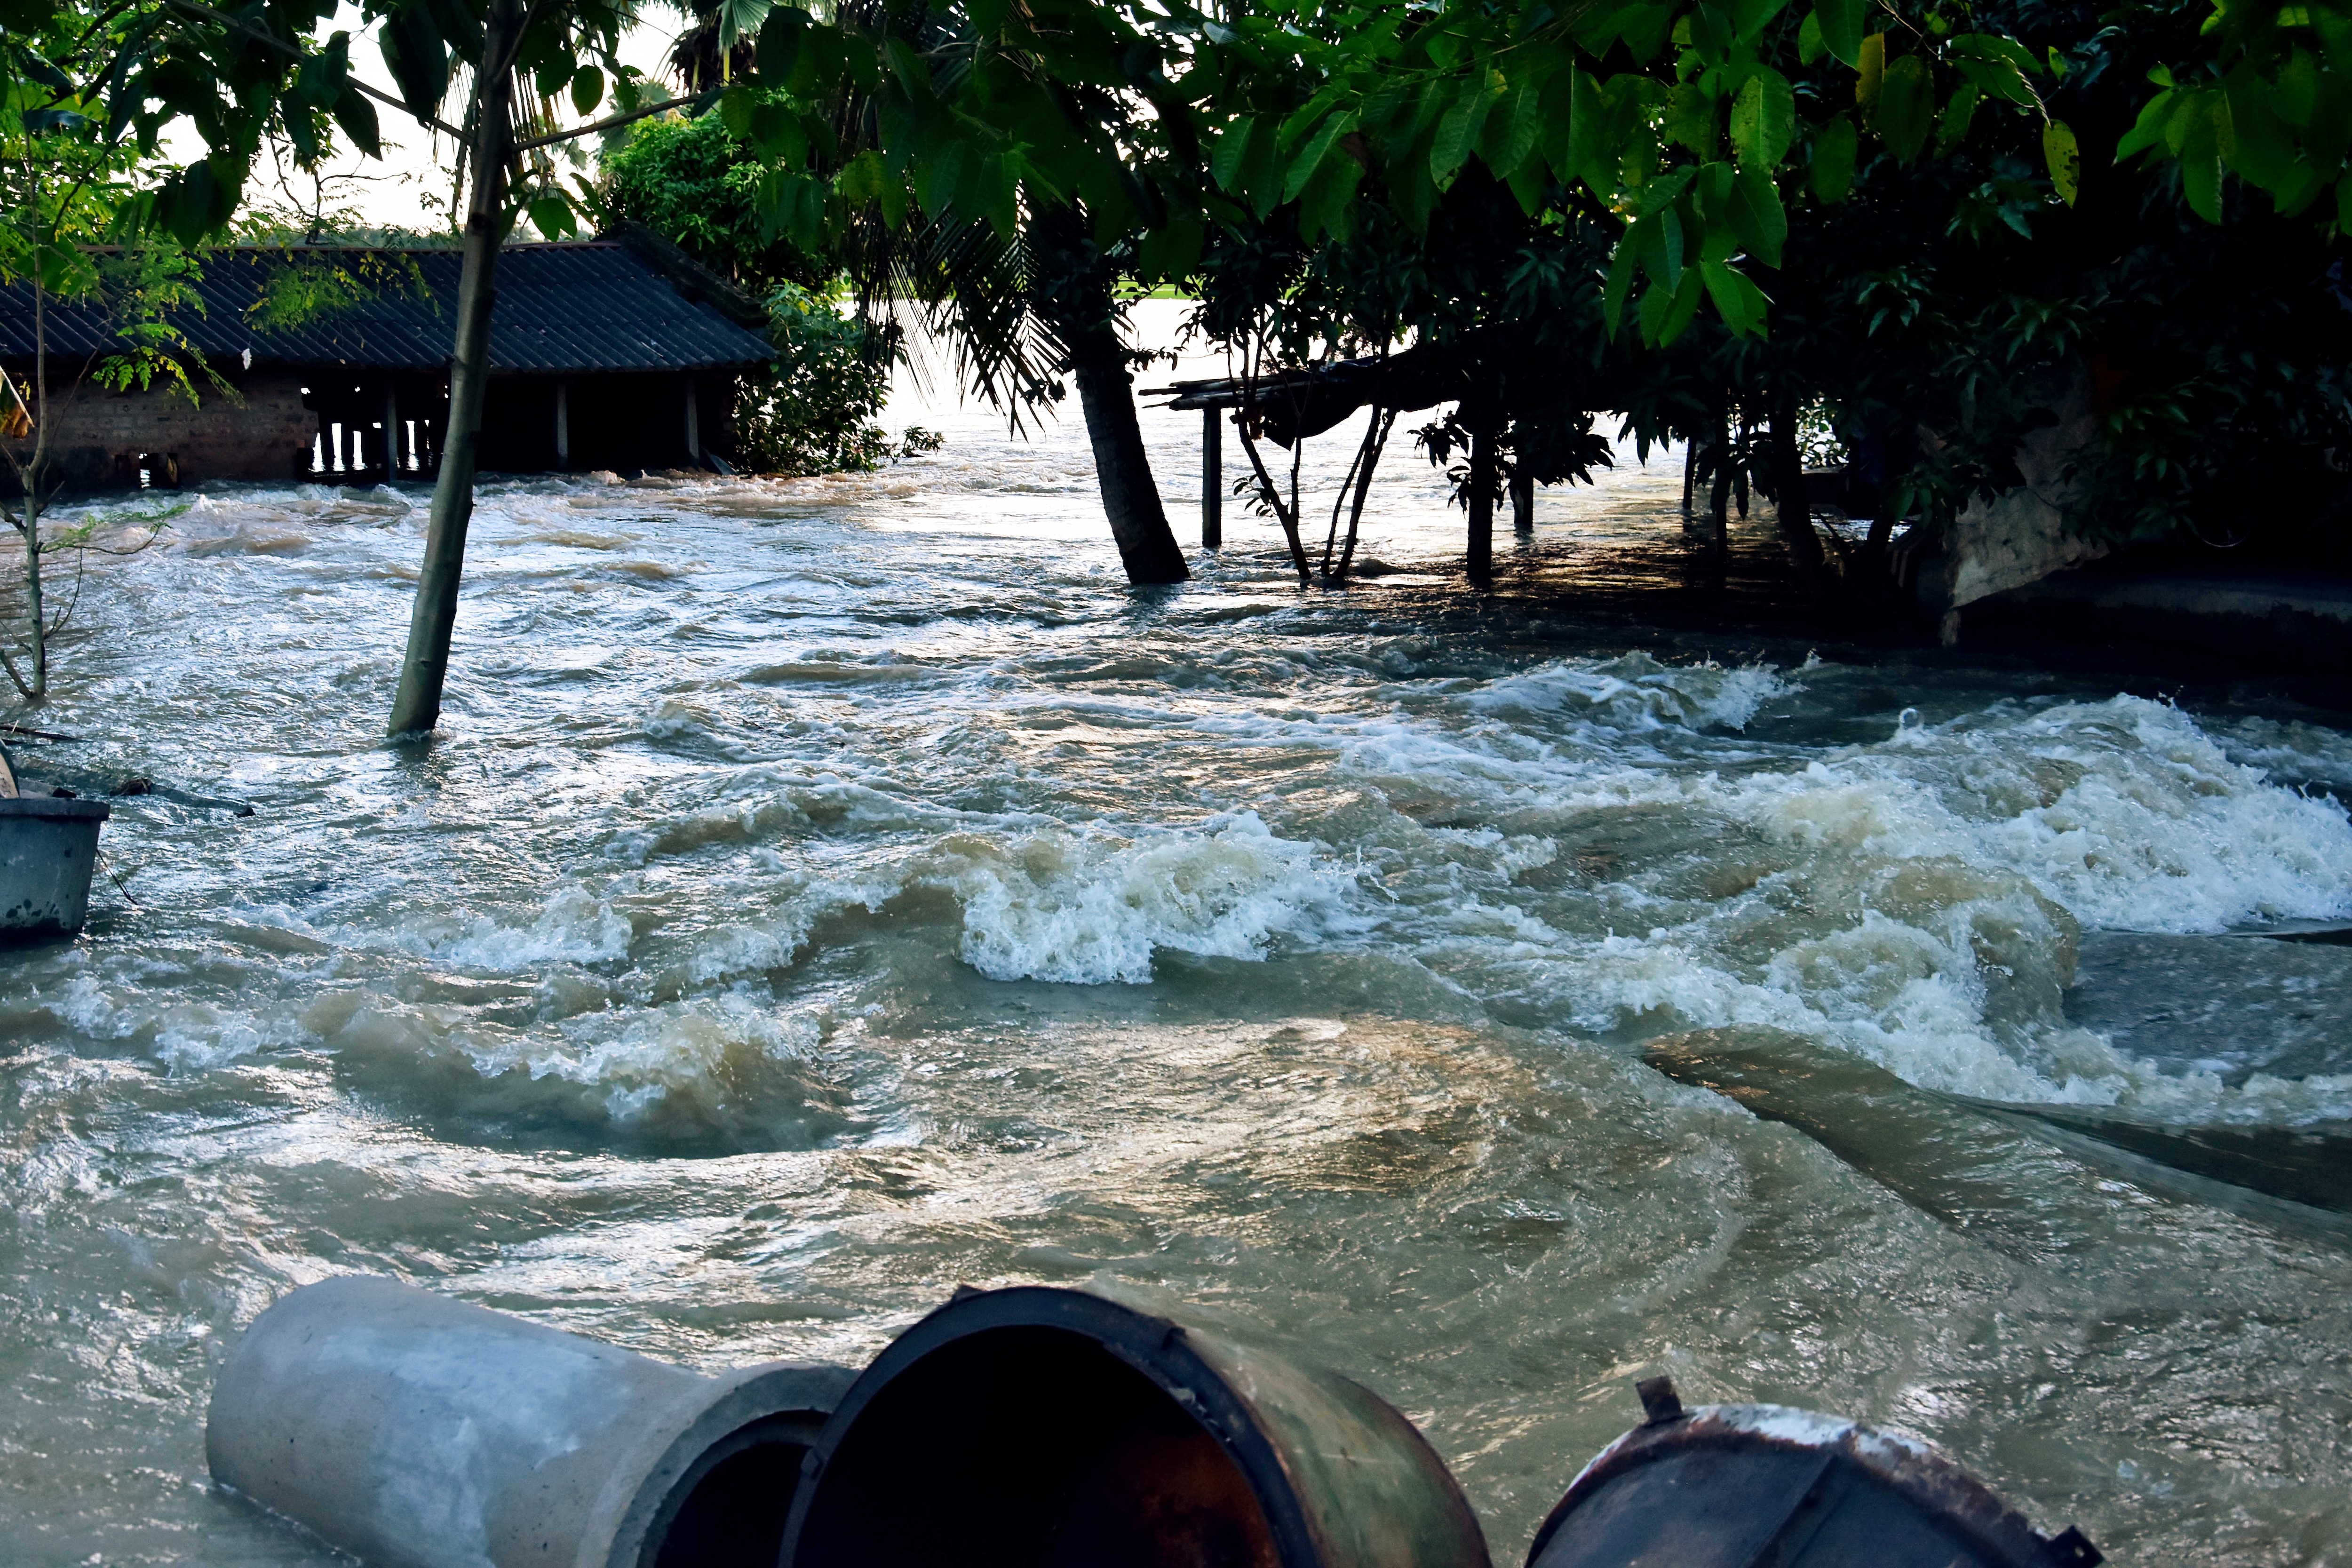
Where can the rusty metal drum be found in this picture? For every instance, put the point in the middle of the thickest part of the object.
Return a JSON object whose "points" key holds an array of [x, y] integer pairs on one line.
{"points": [[1051, 1429], [1744, 1486]]}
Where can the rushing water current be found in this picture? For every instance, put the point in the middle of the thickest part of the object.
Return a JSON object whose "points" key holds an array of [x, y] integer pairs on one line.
{"points": [[825, 893]]}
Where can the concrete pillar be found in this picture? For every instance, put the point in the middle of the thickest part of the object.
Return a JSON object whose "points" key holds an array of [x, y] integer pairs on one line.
{"points": [[391, 429], [693, 423], [564, 425], [418, 1432], [1213, 479]]}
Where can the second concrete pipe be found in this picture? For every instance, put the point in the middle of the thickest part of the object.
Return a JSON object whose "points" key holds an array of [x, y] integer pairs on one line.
{"points": [[418, 1432]]}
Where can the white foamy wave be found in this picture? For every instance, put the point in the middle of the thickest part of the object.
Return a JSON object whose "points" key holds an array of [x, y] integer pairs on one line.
{"points": [[697, 1050], [186, 1035], [572, 927], [2124, 812], [1090, 909], [1636, 691]]}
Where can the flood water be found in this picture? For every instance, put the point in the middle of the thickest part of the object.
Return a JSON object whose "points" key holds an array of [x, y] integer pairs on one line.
{"points": [[825, 893]]}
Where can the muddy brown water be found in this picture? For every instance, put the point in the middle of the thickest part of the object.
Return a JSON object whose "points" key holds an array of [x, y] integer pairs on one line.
{"points": [[825, 893]]}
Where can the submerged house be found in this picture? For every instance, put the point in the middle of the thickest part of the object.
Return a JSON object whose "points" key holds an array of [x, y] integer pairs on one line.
{"points": [[617, 354]]}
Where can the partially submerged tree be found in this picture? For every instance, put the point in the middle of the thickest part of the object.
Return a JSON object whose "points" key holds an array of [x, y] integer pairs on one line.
{"points": [[982, 165], [67, 176]]}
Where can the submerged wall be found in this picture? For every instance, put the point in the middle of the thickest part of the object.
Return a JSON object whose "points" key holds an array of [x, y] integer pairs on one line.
{"points": [[256, 429]]}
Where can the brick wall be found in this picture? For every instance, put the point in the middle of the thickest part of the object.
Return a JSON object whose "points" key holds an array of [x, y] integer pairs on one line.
{"points": [[259, 433]]}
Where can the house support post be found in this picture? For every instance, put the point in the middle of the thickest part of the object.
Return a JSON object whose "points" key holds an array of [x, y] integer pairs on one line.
{"points": [[693, 423], [1213, 479], [391, 430], [417, 706], [564, 425]]}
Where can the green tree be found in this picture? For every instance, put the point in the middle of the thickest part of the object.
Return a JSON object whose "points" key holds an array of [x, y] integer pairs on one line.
{"points": [[70, 182], [814, 409]]}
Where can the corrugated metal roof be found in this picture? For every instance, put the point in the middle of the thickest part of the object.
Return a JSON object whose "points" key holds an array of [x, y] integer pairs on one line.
{"points": [[560, 310]]}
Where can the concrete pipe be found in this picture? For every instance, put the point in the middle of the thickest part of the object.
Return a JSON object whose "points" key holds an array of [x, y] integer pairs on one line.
{"points": [[1738, 1486], [418, 1432], [1046, 1428]]}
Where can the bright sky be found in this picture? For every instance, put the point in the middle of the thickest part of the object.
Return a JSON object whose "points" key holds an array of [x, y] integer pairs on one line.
{"points": [[409, 187]]}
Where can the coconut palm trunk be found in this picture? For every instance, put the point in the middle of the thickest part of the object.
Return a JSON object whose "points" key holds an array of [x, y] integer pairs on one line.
{"points": [[1131, 496], [1074, 292]]}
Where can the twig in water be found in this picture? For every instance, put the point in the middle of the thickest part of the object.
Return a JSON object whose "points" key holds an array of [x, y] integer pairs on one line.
{"points": [[107, 866], [37, 734]]}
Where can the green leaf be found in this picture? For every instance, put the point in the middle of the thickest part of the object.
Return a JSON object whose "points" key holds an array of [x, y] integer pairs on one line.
{"points": [[587, 89], [1757, 217], [414, 54], [1810, 47], [1906, 105], [2200, 161], [1623, 265], [2064, 158], [1310, 157], [2149, 129], [553, 217], [1834, 156], [1994, 47], [1749, 17], [862, 179], [1458, 131], [935, 179], [997, 193], [1511, 135], [1226, 163], [356, 115], [1528, 182], [1763, 120], [1666, 313], [2295, 95], [1868, 85], [1328, 203], [779, 44], [1841, 24], [1741, 304], [1586, 112], [1657, 241], [1997, 79], [1952, 128], [736, 107], [1691, 117]]}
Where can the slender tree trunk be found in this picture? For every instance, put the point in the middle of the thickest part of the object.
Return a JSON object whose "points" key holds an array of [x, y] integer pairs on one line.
{"points": [[1386, 421], [1284, 513], [1794, 506], [417, 707], [32, 680], [1523, 503], [1482, 504]]}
